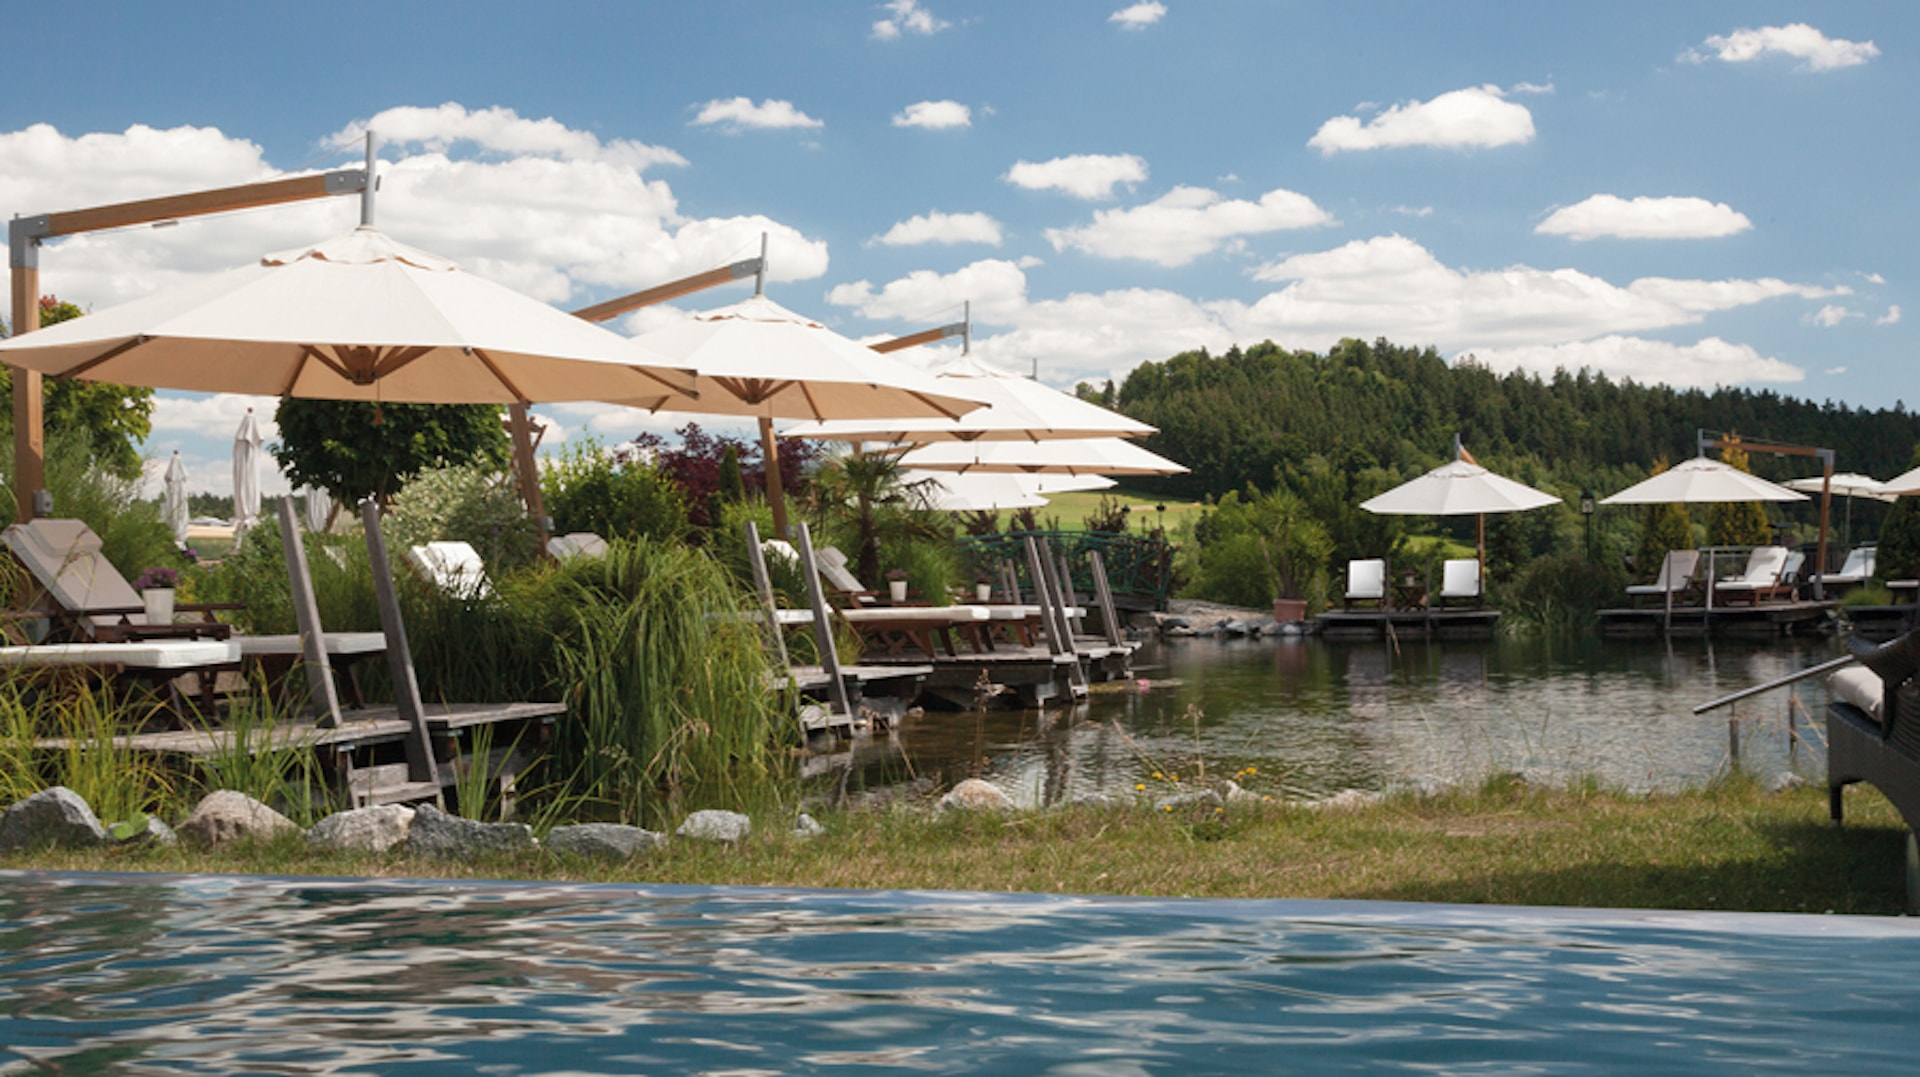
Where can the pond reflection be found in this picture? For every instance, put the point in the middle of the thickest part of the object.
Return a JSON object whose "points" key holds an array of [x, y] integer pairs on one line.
{"points": [[1318, 717]]}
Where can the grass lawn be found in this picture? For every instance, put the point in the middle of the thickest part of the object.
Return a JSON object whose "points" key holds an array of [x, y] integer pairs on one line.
{"points": [[1730, 846], [1074, 508]]}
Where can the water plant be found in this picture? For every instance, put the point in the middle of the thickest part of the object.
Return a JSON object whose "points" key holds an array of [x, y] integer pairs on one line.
{"points": [[258, 756]]}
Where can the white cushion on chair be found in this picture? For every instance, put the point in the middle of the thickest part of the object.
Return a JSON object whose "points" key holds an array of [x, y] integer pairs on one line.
{"points": [[1367, 579]]}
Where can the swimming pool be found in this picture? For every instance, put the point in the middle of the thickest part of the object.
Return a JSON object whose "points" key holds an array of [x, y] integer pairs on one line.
{"points": [[237, 974]]}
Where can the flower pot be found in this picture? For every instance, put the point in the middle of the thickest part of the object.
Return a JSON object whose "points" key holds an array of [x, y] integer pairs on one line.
{"points": [[897, 590], [983, 592], [1286, 610], [159, 602]]}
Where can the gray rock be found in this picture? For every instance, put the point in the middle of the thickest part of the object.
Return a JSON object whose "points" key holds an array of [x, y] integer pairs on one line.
{"points": [[1784, 781], [1347, 800], [1233, 793], [714, 825], [1181, 631], [52, 818], [608, 841], [435, 833], [142, 829], [975, 795], [1204, 798], [363, 830], [1095, 801], [807, 827], [224, 816]]}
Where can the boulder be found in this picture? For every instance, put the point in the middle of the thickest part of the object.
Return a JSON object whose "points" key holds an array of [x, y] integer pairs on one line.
{"points": [[363, 830], [807, 827], [713, 825], [52, 818], [435, 833], [607, 841], [1347, 800], [224, 816], [1095, 802], [1203, 798], [1234, 793], [142, 829], [975, 795]]}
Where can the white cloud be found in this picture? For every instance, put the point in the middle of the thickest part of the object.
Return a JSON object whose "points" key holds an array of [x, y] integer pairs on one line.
{"points": [[1834, 370], [1531, 88], [1106, 334], [740, 113], [937, 227], [1705, 364], [1891, 317], [1475, 117], [1185, 223], [1815, 50], [1831, 315], [1139, 16], [557, 224], [1875, 278], [1090, 176], [907, 17], [501, 130], [996, 287], [934, 115], [1644, 218], [1392, 286], [1414, 211]]}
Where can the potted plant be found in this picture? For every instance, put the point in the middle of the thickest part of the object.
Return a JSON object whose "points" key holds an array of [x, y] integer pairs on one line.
{"points": [[1296, 547], [983, 589], [156, 586], [897, 584]]}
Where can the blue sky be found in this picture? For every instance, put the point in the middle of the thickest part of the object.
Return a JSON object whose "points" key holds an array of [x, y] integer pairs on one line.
{"points": [[1694, 193]]}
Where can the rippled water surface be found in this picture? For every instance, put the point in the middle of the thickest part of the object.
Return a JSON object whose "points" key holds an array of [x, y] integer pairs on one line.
{"points": [[1317, 717], [229, 975]]}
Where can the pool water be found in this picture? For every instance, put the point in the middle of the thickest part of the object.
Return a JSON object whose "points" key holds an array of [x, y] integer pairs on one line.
{"points": [[248, 975], [1316, 717]]}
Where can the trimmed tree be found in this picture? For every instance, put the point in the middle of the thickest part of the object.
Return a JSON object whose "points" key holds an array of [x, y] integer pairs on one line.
{"points": [[1738, 523], [117, 418], [354, 450]]}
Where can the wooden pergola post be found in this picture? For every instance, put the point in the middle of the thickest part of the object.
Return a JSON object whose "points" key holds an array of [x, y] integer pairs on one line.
{"points": [[24, 236]]}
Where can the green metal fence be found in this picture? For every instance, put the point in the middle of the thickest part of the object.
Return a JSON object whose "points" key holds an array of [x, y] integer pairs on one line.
{"points": [[1140, 570]]}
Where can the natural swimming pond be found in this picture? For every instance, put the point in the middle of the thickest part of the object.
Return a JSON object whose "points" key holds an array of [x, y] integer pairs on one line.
{"points": [[249, 975], [1315, 717]]}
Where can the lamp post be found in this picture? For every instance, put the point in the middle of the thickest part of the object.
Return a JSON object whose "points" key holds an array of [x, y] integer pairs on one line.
{"points": [[1160, 518], [1586, 513]]}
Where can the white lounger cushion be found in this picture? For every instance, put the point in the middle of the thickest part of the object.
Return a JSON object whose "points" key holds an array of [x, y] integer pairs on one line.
{"points": [[1460, 578], [1764, 567], [891, 614], [340, 643], [1676, 572], [1022, 613], [64, 557], [576, 544], [1859, 686], [1367, 579], [454, 567], [157, 654]]}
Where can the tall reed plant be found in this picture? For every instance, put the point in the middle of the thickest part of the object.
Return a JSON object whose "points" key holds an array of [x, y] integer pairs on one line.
{"points": [[97, 760], [254, 755], [671, 703]]}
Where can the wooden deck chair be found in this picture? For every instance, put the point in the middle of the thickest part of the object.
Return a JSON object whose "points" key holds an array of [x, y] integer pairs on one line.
{"points": [[75, 579], [454, 567], [1367, 582], [834, 572], [1762, 577], [1676, 576], [1460, 581], [1873, 735]]}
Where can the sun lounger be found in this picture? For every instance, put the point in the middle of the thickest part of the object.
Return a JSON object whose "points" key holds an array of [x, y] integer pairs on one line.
{"points": [[64, 559], [1765, 565], [1367, 582], [576, 544], [1873, 734], [154, 663], [454, 567], [1858, 569], [1460, 581], [1676, 576], [893, 628]]}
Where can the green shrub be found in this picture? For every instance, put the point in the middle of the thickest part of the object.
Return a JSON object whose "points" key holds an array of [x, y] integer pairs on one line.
{"points": [[587, 491], [464, 503], [1561, 594], [1258, 548]]}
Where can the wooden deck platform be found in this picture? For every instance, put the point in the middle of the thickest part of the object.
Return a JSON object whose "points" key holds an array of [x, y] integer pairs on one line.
{"points": [[1879, 622], [370, 726], [1033, 674], [1759, 619], [1408, 624]]}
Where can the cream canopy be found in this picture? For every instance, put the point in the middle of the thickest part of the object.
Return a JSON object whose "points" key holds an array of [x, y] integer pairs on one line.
{"points": [[359, 317], [1700, 480], [1084, 456], [1018, 409]]}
